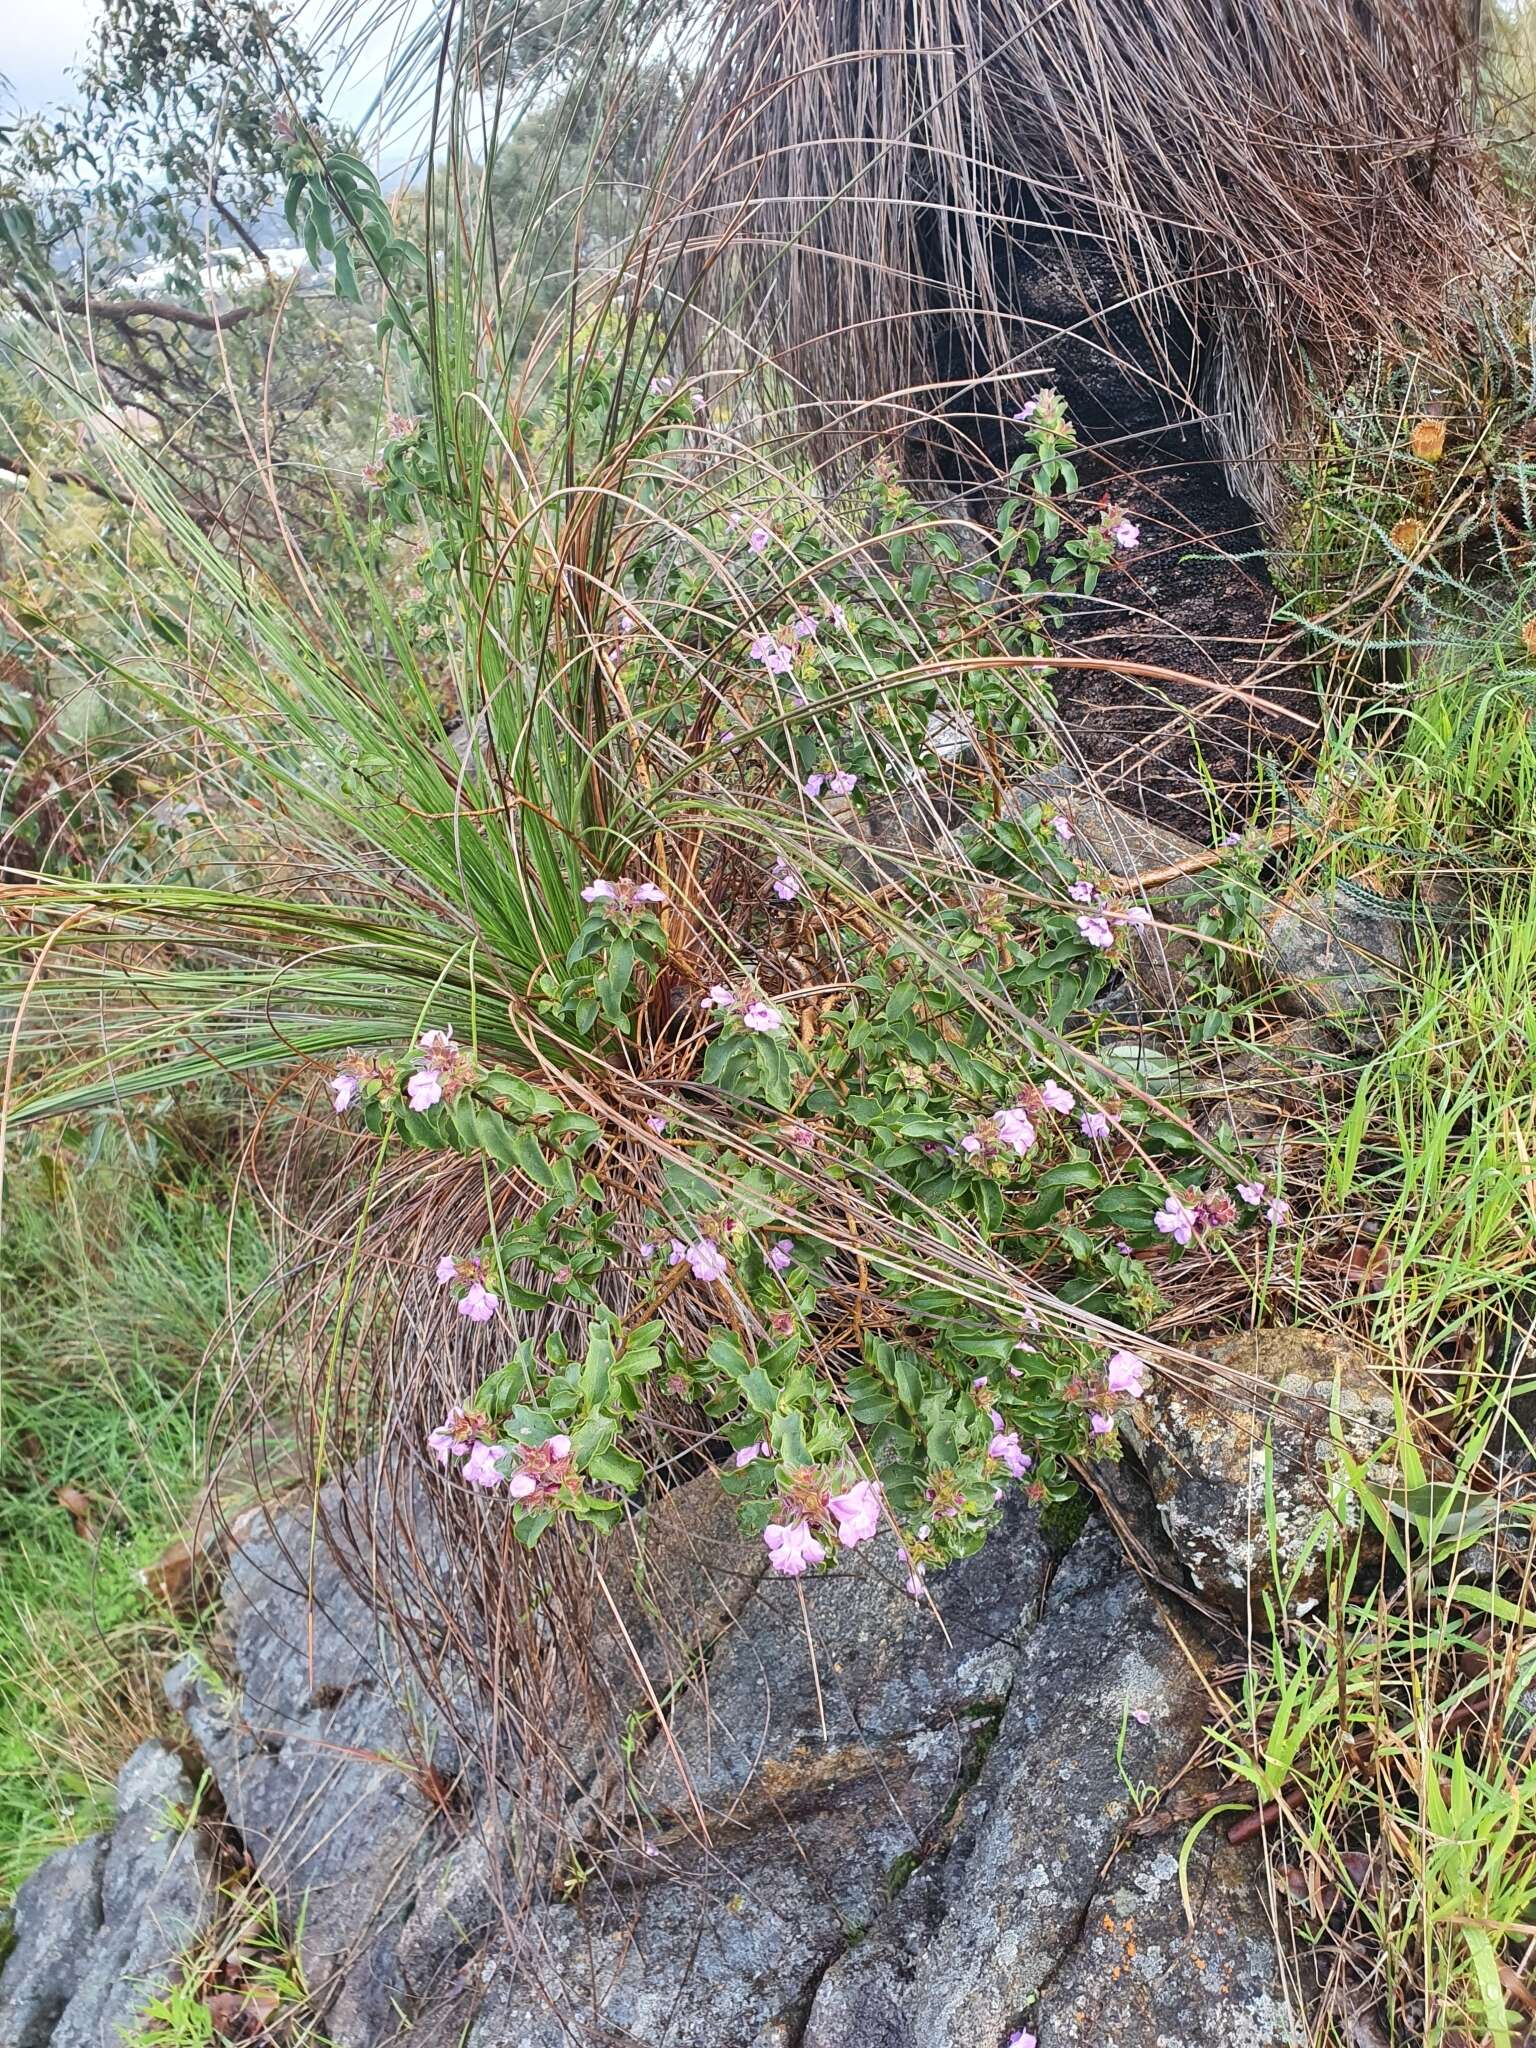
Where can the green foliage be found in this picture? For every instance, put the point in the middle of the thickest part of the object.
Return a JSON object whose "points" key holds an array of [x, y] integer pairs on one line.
{"points": [[116, 1275]]}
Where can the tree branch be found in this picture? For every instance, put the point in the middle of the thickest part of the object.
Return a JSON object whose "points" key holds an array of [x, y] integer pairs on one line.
{"points": [[14, 466], [121, 311]]}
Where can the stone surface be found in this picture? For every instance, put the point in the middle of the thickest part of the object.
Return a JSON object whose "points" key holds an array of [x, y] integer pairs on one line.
{"points": [[101, 1929], [1340, 959], [1012, 1926], [1203, 1450], [812, 1813]]}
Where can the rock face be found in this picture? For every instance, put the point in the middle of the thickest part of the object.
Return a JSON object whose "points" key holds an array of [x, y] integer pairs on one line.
{"points": [[1203, 1450], [852, 1819], [101, 1929]]}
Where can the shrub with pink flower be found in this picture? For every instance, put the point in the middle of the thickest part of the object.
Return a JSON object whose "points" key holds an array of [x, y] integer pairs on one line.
{"points": [[792, 1548], [856, 1513]]}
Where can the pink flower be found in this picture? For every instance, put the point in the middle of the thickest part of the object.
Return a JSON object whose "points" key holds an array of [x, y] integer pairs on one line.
{"points": [[345, 1089], [1015, 1130], [842, 783], [1177, 1220], [559, 1448], [1062, 827], [1140, 1716], [521, 1484], [424, 1090], [814, 784], [762, 646], [646, 892], [1021, 2040], [781, 1256], [599, 892], [802, 1137], [1251, 1191], [803, 627], [399, 427], [1126, 534], [658, 1124], [447, 1269], [480, 1465], [1081, 891], [448, 1440], [1028, 409], [1126, 1374], [1100, 1424], [838, 616], [1005, 1447], [780, 661], [758, 539], [1093, 1124], [750, 1453], [719, 998], [1278, 1212], [477, 1303], [1096, 931], [970, 1144], [1138, 914], [856, 1512], [437, 1040], [786, 882], [792, 1548], [706, 1260], [762, 1017], [1054, 1096]]}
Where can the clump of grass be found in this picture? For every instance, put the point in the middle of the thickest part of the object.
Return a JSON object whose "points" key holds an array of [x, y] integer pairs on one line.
{"points": [[116, 1276]]}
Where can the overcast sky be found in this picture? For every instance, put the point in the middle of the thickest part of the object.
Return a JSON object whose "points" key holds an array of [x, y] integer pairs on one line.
{"points": [[41, 39]]}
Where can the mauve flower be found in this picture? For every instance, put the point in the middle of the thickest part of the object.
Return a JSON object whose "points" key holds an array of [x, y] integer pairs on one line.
{"points": [[838, 616], [424, 1090], [1028, 409], [781, 1256], [480, 1465], [1093, 1123], [1080, 891], [1251, 1191], [521, 1484], [786, 882], [1062, 827], [1100, 1424], [447, 1269], [477, 1303], [1138, 914], [1015, 1130], [856, 1512], [842, 783], [1126, 1374], [792, 1548], [1097, 932], [814, 784], [437, 1040], [762, 646], [762, 1017], [1177, 1220], [345, 1089], [1021, 2040], [802, 1137], [658, 1124], [719, 998], [1126, 534], [803, 627], [705, 1258], [446, 1441], [599, 892], [758, 539], [750, 1453], [780, 661], [1278, 1212], [559, 1448], [1005, 1447], [1054, 1096], [646, 892], [970, 1144]]}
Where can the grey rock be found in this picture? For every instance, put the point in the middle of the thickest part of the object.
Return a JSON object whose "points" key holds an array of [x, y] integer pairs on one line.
{"points": [[57, 1916], [1203, 1447], [1340, 959], [997, 1934], [157, 1896]]}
